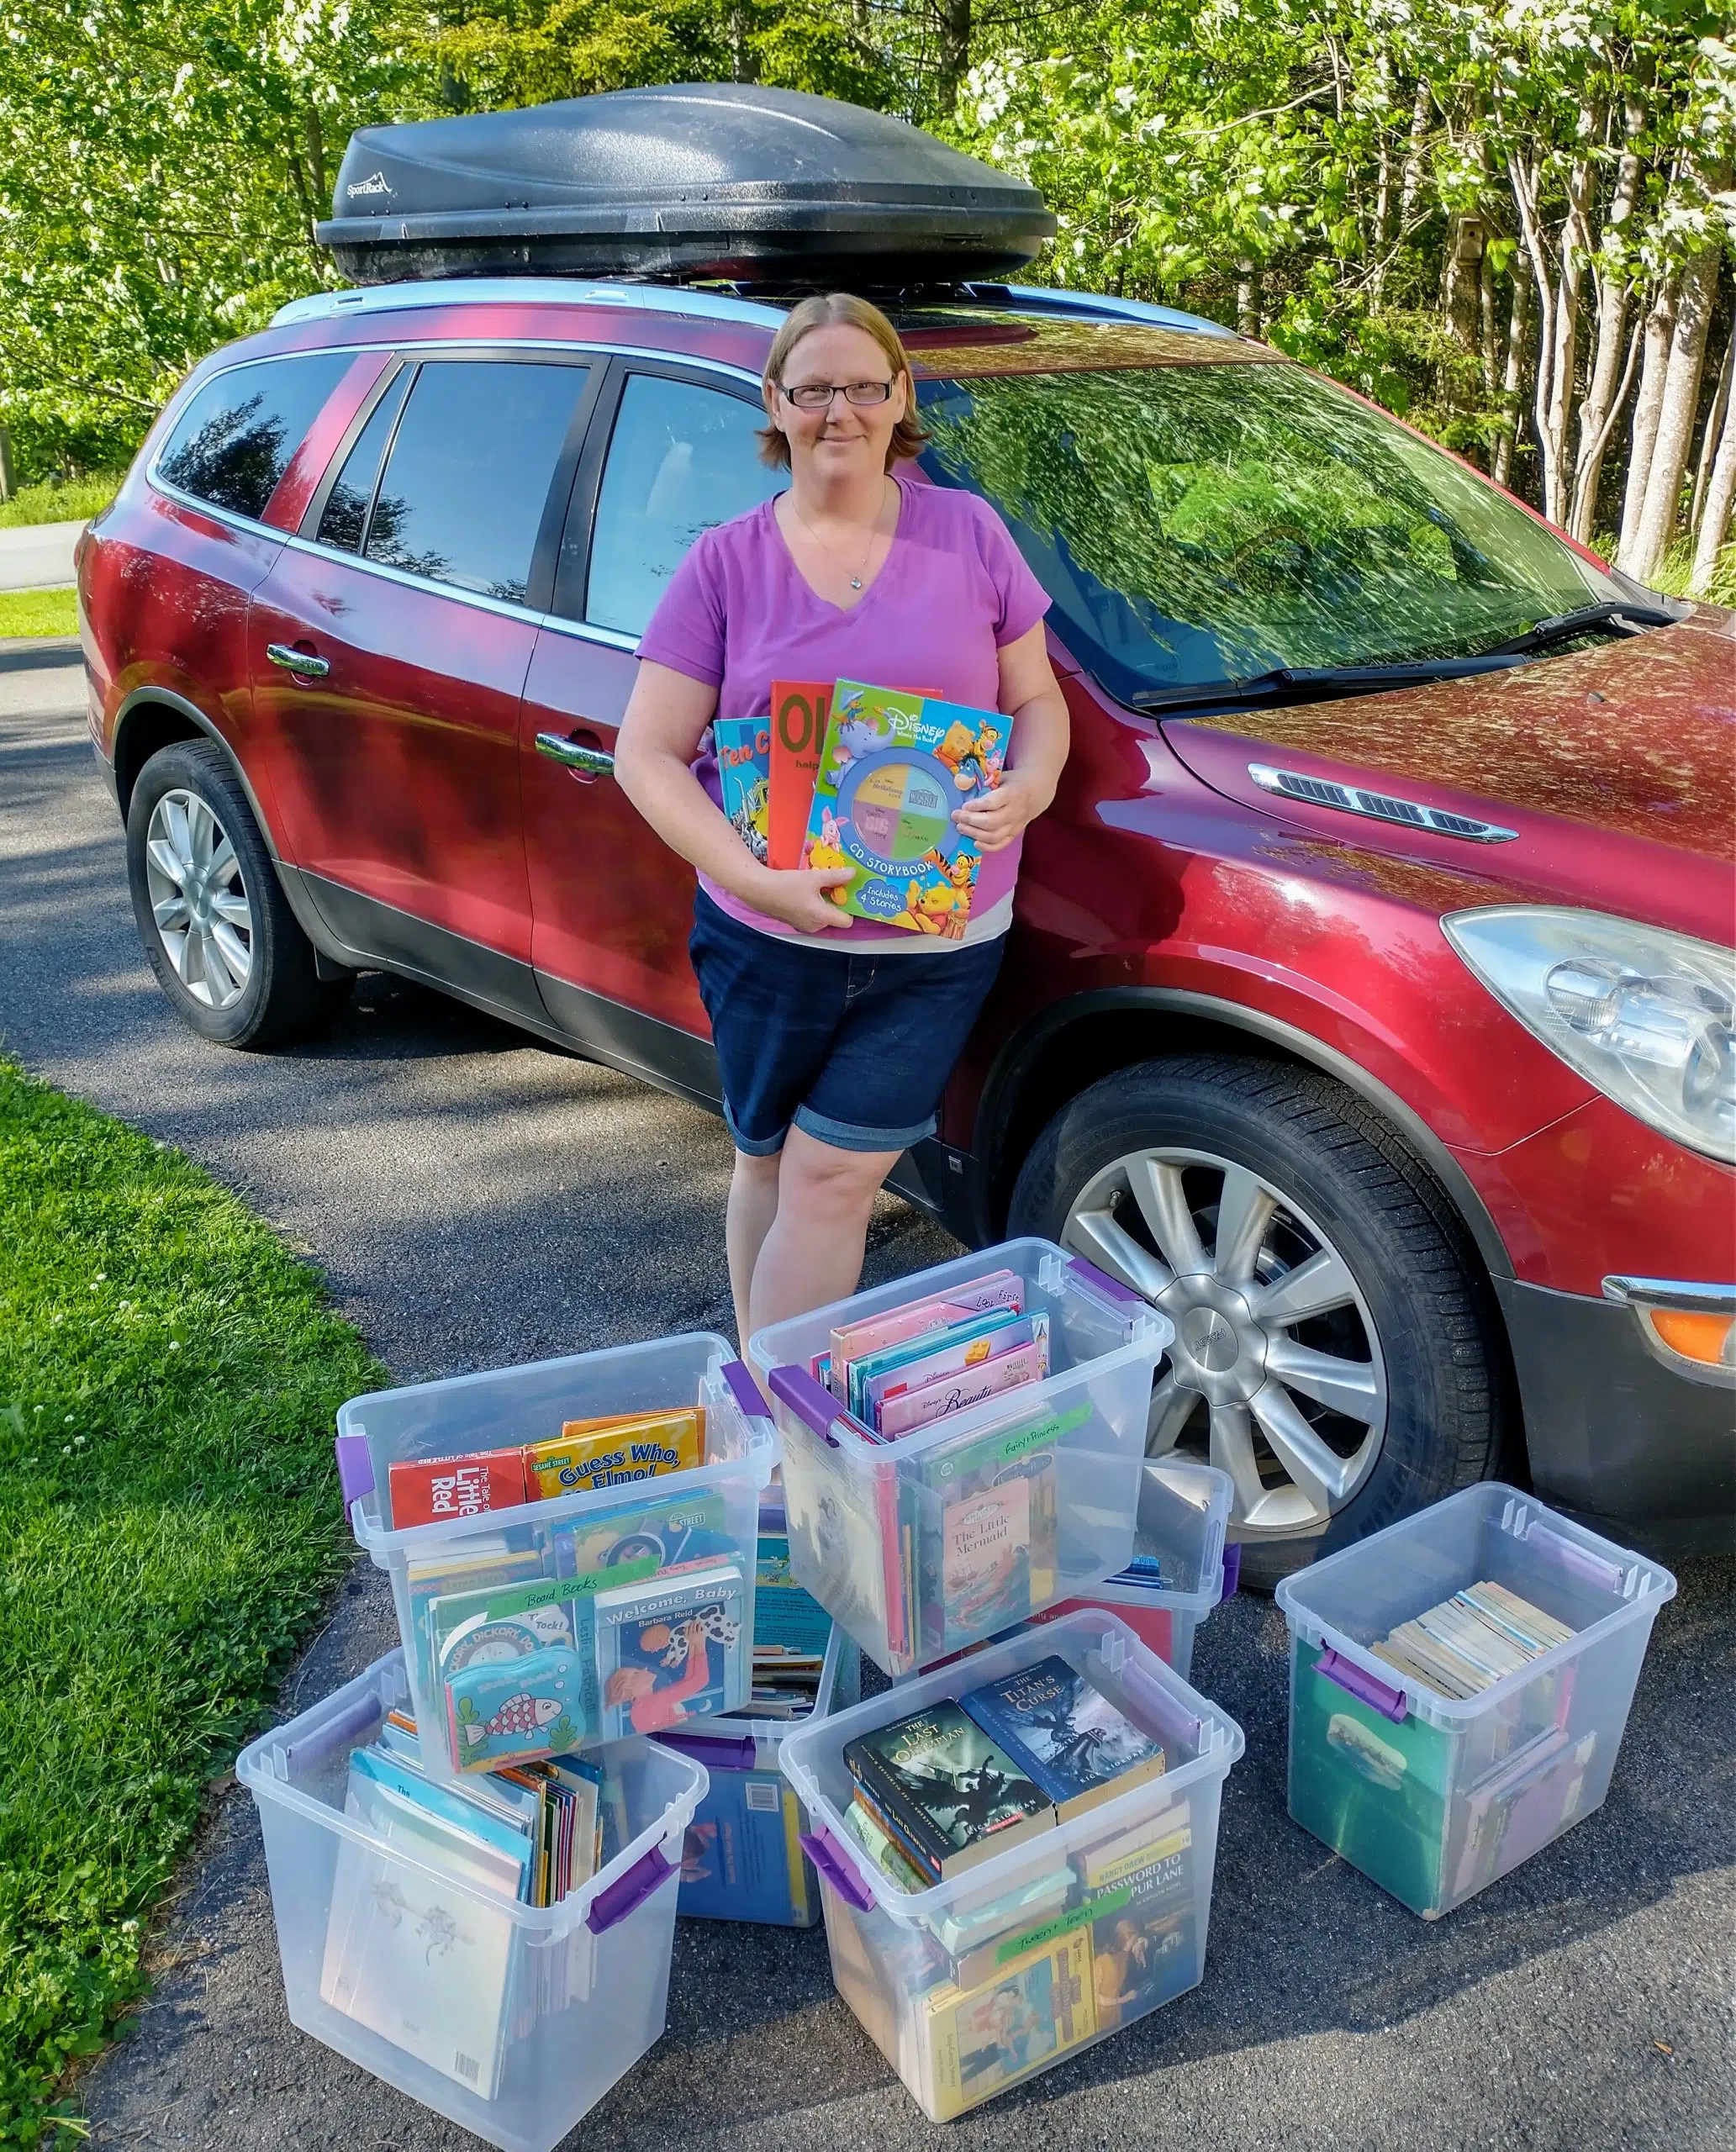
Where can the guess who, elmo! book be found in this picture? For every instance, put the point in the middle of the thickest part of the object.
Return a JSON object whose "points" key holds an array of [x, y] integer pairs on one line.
{"points": [[893, 769]]}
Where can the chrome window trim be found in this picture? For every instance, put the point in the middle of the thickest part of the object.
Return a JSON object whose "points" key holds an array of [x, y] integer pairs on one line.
{"points": [[478, 598], [217, 373]]}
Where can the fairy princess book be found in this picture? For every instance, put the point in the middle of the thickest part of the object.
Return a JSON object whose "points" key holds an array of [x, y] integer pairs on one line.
{"points": [[894, 770]]}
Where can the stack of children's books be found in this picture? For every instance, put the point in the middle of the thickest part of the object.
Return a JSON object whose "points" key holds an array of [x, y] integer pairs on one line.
{"points": [[638, 1629], [791, 1630], [432, 1968], [1078, 1946], [868, 779]]}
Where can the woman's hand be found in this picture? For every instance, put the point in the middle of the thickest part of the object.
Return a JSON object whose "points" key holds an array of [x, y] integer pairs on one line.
{"points": [[994, 820], [797, 895]]}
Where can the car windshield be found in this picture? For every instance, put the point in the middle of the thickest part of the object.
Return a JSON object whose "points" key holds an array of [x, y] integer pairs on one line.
{"points": [[1201, 525]]}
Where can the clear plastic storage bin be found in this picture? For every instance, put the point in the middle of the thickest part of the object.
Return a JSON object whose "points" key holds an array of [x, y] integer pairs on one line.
{"points": [[681, 1535], [925, 1545], [1435, 1798], [1178, 1574], [1041, 1951], [743, 1858], [510, 2020]]}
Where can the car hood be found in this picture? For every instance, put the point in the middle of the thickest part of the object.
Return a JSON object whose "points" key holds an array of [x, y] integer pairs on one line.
{"points": [[1614, 766]]}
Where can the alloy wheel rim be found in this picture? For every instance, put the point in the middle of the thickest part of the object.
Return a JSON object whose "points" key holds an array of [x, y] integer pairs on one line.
{"points": [[1276, 1375], [199, 899]]}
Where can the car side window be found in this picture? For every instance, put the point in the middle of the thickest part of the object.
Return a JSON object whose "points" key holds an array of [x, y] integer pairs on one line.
{"points": [[343, 521], [233, 441], [681, 458], [461, 499]]}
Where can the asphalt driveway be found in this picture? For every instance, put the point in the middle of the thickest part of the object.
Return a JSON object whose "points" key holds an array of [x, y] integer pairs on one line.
{"points": [[474, 1199], [38, 556]]}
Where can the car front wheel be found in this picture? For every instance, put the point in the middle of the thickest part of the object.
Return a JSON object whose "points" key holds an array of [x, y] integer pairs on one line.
{"points": [[1335, 1344], [212, 915]]}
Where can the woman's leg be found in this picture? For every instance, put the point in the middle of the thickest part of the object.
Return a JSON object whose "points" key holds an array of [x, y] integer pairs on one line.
{"points": [[813, 1252], [747, 1219]]}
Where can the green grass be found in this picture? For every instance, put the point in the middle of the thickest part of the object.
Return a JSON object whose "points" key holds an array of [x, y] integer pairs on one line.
{"points": [[170, 1529], [39, 612], [74, 500]]}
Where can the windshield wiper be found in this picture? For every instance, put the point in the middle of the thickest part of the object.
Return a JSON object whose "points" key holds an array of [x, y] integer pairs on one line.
{"points": [[1333, 679], [1559, 627]]}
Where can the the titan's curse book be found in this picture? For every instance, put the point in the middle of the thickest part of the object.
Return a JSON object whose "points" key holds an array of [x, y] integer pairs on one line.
{"points": [[1069, 1737], [743, 747], [671, 1650], [954, 1797], [799, 710], [894, 770]]}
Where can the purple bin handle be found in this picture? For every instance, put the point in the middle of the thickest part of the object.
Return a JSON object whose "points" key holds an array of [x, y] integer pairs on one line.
{"points": [[351, 1723], [719, 1752], [1356, 1682], [1111, 1287], [1233, 1567], [744, 1390], [815, 1407], [835, 1866], [356, 1468], [628, 1892]]}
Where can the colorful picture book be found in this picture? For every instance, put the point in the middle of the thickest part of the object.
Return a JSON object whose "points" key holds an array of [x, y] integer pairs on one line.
{"points": [[617, 1450], [1027, 2013], [669, 1648], [743, 747], [894, 770], [797, 729], [741, 1858]]}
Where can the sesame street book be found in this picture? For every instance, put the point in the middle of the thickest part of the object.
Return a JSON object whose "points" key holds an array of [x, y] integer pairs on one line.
{"points": [[893, 771]]}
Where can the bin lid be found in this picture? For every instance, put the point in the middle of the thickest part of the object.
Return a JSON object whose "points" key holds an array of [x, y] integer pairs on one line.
{"points": [[684, 181]]}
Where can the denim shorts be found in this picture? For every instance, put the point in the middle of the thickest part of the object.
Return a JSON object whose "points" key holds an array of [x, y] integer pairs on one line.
{"points": [[854, 1050]]}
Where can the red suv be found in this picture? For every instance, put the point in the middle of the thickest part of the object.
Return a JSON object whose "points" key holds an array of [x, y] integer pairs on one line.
{"points": [[1369, 1005]]}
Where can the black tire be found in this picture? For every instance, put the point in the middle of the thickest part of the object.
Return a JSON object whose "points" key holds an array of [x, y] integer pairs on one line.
{"points": [[284, 995], [1407, 1250]]}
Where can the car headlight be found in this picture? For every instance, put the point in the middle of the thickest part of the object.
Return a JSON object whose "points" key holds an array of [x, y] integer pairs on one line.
{"points": [[1648, 1016]]}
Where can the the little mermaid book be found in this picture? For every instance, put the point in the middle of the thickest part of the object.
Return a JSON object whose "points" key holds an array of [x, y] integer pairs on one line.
{"points": [[894, 770]]}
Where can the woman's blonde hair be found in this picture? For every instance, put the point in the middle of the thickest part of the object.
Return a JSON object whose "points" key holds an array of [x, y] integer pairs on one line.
{"points": [[822, 311]]}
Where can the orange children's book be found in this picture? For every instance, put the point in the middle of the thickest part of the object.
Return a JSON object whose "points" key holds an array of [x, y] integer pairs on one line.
{"points": [[799, 711]]}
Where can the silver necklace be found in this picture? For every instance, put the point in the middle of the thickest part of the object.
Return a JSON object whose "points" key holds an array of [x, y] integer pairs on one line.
{"points": [[856, 579]]}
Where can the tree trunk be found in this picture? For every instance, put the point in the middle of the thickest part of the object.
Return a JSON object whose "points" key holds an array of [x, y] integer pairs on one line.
{"points": [[1597, 413], [1659, 321], [955, 51], [316, 156], [1715, 509], [8, 485], [1247, 298], [1512, 379], [1411, 182], [1710, 434], [1676, 414]]}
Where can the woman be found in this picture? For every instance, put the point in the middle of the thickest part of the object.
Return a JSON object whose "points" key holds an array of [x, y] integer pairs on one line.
{"points": [[834, 1037]]}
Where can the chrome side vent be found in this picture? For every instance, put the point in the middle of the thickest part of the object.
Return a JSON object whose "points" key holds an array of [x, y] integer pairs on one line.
{"points": [[1377, 806]]}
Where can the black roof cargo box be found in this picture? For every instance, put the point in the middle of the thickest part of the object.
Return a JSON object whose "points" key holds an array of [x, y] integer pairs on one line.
{"points": [[690, 180]]}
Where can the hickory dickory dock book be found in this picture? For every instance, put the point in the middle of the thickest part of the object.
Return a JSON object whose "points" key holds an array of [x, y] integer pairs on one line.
{"points": [[892, 770]]}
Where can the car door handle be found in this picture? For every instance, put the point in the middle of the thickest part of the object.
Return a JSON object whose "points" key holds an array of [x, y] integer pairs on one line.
{"points": [[574, 755], [302, 661]]}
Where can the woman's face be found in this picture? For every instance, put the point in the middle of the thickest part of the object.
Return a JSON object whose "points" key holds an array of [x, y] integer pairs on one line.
{"points": [[844, 438]]}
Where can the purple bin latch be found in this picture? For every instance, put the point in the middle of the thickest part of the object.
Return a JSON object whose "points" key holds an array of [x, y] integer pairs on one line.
{"points": [[1112, 1289], [717, 1752], [355, 1469], [1356, 1682], [355, 1719], [628, 1892], [837, 1867], [744, 1390], [814, 1407]]}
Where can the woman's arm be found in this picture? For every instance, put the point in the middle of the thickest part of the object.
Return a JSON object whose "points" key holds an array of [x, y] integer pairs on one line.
{"points": [[1031, 693], [659, 736]]}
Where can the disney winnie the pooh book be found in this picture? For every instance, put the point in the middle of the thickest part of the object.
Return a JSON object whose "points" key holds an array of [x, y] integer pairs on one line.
{"points": [[893, 771]]}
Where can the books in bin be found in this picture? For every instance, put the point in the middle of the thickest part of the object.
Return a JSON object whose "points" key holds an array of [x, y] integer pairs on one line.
{"points": [[948, 1795], [893, 769], [1067, 1735]]}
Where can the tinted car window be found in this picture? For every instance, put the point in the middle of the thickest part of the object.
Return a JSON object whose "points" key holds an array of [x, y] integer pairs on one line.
{"points": [[681, 458], [463, 494], [233, 441], [344, 517]]}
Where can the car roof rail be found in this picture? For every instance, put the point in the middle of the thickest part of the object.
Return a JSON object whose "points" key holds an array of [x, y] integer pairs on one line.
{"points": [[530, 291], [1038, 298]]}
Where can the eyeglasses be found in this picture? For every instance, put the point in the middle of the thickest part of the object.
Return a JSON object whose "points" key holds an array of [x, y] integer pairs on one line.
{"points": [[817, 395]]}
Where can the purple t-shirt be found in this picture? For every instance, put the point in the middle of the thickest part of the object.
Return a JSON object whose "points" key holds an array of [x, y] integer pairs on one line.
{"points": [[737, 614]]}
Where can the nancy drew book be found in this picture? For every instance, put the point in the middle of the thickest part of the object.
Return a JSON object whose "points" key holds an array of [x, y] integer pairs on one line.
{"points": [[671, 1650], [893, 769], [743, 746], [944, 1790], [1028, 2013], [1068, 1736]]}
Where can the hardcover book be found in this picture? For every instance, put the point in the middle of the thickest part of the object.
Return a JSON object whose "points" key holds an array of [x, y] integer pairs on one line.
{"points": [[939, 1352], [1070, 1738], [854, 1341], [743, 746], [894, 770], [1029, 2013], [642, 1538], [911, 1410], [799, 711], [671, 1650], [952, 1795]]}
